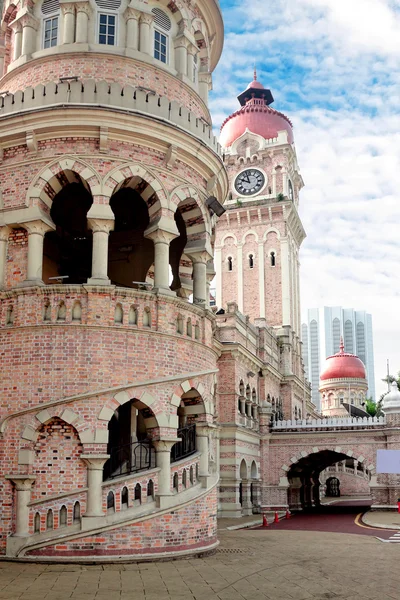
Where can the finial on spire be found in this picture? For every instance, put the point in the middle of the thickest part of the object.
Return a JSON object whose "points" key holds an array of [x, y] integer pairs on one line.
{"points": [[341, 345], [255, 72]]}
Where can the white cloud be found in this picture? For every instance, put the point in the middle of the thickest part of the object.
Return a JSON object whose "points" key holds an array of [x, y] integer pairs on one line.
{"points": [[332, 66]]}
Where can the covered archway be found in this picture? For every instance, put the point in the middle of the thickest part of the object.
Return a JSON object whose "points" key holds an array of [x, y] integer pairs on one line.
{"points": [[129, 440], [130, 253], [303, 477], [67, 251], [191, 412]]}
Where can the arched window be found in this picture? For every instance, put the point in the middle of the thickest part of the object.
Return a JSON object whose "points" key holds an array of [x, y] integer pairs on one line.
{"points": [[248, 392], [118, 314], [47, 311], [299, 413], [132, 316], [63, 516], [77, 311], [295, 412], [49, 519], [50, 12], [251, 261], [191, 475], [230, 263], [61, 311], [146, 318], [162, 27], [184, 478], [110, 502], [197, 332], [241, 388], [138, 494], [107, 22], [179, 325], [273, 259], [10, 315], [290, 190], [124, 498], [77, 512], [176, 482], [36, 524], [189, 328], [150, 490]]}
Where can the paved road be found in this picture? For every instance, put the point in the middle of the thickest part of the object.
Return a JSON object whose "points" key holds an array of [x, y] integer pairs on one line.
{"points": [[339, 517], [274, 564]]}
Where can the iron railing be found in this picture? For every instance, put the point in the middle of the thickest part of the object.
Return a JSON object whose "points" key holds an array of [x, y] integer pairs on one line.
{"points": [[187, 445], [130, 458]]}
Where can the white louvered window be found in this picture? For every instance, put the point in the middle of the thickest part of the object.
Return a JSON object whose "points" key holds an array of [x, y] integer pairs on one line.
{"points": [[50, 9], [50, 32], [162, 25], [107, 29]]}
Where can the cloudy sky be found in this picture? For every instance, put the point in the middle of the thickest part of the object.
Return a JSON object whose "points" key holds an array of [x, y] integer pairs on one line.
{"points": [[333, 68]]}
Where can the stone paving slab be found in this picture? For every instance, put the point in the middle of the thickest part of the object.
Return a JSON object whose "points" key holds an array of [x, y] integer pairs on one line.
{"points": [[386, 519], [249, 565]]}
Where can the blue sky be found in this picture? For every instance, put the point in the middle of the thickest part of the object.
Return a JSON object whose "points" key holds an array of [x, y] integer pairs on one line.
{"points": [[333, 68]]}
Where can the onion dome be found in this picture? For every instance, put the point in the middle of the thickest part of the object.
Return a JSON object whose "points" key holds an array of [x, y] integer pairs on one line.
{"points": [[343, 366], [255, 115], [391, 400]]}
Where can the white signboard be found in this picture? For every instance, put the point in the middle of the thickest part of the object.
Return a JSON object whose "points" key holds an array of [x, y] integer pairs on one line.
{"points": [[388, 461]]}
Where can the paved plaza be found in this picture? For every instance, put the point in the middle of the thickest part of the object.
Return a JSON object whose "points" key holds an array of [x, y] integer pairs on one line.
{"points": [[249, 565]]}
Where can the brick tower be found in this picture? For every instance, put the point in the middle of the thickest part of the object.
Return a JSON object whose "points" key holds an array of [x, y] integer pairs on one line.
{"points": [[258, 239], [107, 161]]}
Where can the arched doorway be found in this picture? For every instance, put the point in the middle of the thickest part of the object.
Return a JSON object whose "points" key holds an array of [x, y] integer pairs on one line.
{"points": [[333, 487], [67, 251], [129, 440], [304, 482], [191, 411], [130, 254]]}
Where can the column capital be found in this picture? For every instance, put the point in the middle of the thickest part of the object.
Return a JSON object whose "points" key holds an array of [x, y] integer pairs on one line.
{"points": [[147, 18], [67, 7], [95, 462], [37, 227], [28, 20], [161, 236], [165, 444], [22, 482], [101, 225], [16, 26], [162, 230], [181, 41], [201, 256], [84, 7], [4, 233], [132, 13]]}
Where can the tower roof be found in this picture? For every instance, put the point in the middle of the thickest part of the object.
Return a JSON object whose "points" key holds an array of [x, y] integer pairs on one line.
{"points": [[343, 365], [255, 115]]}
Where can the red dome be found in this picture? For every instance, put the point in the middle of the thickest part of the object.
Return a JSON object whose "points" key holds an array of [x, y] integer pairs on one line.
{"points": [[260, 119], [343, 365]]}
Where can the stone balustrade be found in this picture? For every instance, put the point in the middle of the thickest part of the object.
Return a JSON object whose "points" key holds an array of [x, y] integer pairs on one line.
{"points": [[113, 96], [324, 424]]}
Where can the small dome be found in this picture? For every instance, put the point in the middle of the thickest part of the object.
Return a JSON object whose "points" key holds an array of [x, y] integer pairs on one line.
{"points": [[256, 116], [391, 400], [343, 366]]}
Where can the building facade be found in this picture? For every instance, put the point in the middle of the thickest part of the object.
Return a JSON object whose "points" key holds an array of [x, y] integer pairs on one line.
{"points": [[321, 336]]}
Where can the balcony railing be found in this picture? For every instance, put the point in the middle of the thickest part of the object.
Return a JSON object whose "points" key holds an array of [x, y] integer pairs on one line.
{"points": [[129, 458], [187, 445]]}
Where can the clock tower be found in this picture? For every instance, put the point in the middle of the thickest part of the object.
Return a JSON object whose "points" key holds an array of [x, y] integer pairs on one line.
{"points": [[259, 236]]}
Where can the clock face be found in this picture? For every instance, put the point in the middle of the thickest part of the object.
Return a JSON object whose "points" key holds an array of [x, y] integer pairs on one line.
{"points": [[249, 182]]}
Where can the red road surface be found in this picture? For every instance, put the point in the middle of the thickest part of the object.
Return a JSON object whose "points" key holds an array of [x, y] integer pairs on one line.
{"points": [[340, 517]]}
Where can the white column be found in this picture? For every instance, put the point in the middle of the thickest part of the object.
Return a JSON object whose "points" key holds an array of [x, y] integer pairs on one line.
{"points": [[146, 20], [204, 85], [191, 53], [163, 461], [68, 12], [240, 276], [181, 55], [210, 274], [29, 28], [199, 260], [23, 486], [285, 275], [36, 231], [132, 28], [202, 447], [101, 230], [83, 11], [261, 278], [4, 234], [94, 501], [218, 278], [17, 40]]}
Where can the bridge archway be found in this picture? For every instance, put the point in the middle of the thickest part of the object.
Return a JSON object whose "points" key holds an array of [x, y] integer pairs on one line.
{"points": [[303, 477]]}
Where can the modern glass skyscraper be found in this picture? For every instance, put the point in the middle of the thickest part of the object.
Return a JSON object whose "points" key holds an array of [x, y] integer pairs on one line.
{"points": [[321, 338]]}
